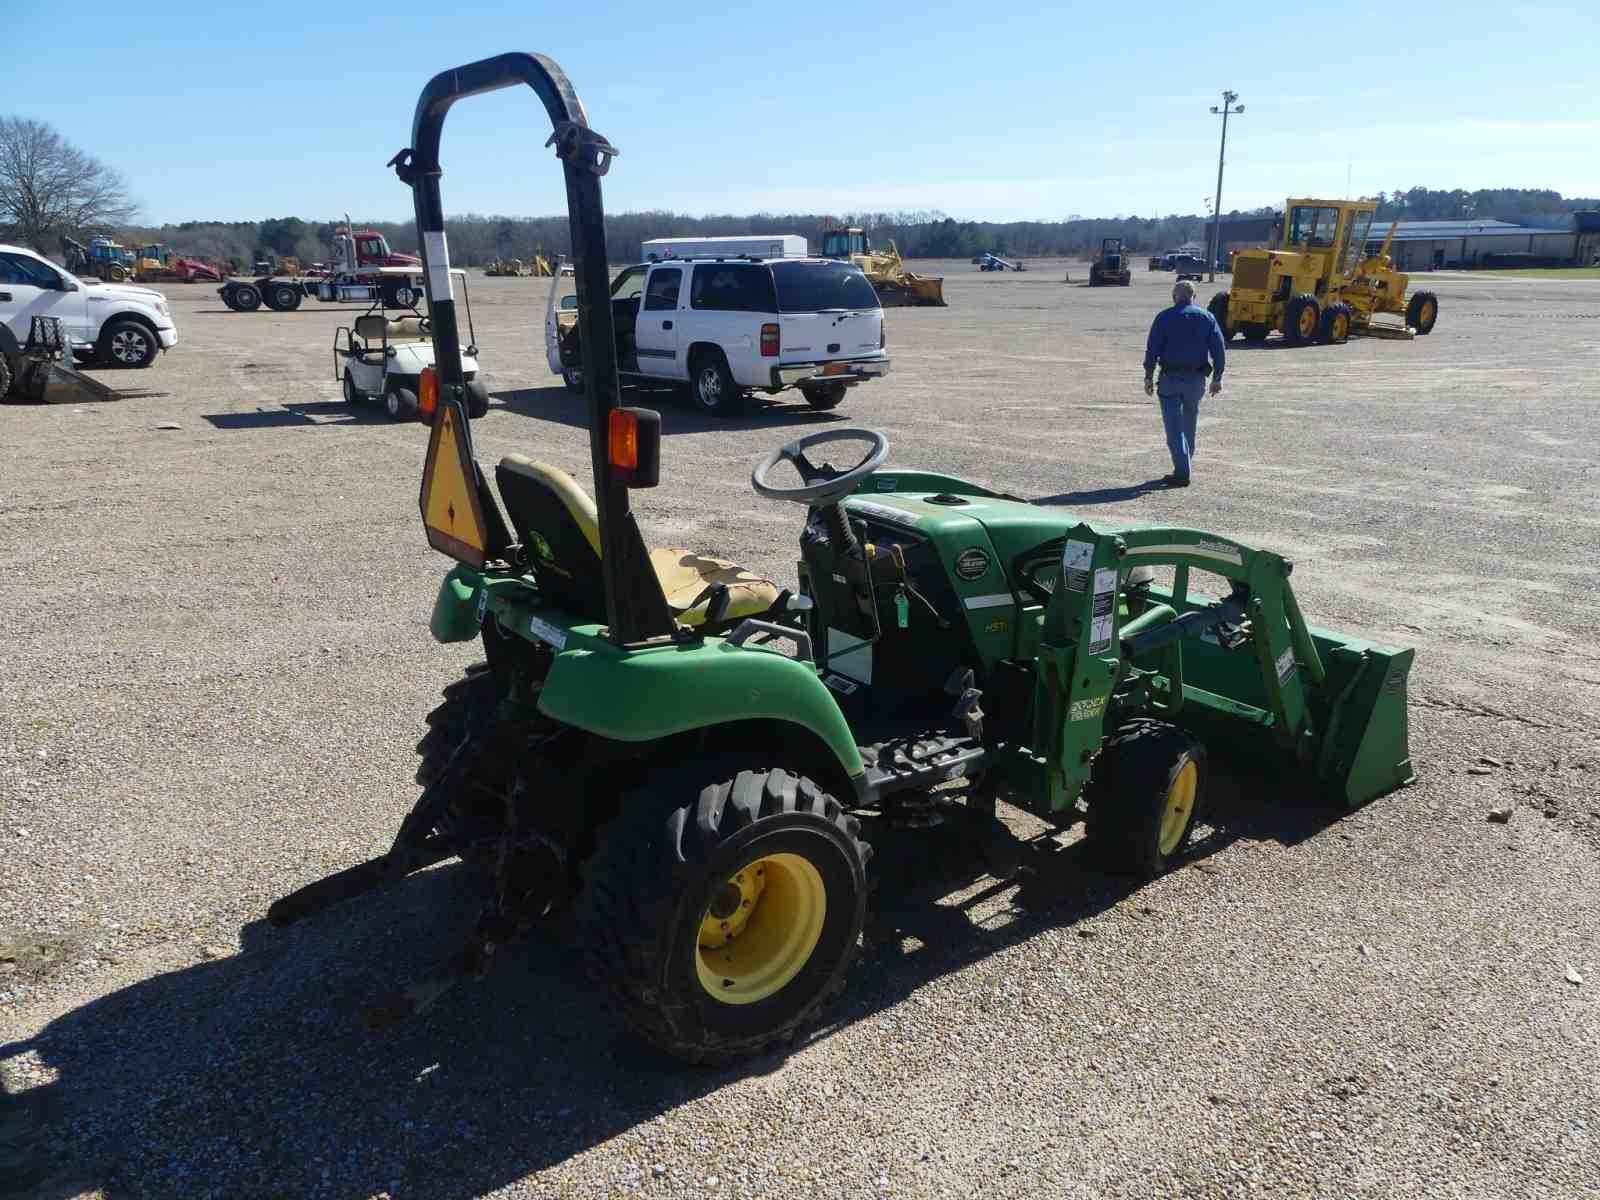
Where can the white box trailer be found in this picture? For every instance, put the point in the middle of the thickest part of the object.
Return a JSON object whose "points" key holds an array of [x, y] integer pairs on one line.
{"points": [[772, 245]]}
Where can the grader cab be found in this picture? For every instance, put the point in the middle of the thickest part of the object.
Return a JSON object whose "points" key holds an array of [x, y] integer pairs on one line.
{"points": [[1317, 283]]}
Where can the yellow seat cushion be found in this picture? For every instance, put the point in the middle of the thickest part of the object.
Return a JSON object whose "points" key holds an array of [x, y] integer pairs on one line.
{"points": [[683, 574]]}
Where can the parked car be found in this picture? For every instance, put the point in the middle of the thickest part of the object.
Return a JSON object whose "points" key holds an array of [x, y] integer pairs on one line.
{"points": [[728, 327], [112, 323]]}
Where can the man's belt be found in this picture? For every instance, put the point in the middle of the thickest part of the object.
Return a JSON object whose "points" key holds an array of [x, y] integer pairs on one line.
{"points": [[1185, 368]]}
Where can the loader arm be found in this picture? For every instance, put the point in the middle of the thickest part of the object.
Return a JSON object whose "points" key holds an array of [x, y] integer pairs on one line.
{"points": [[1109, 651]]}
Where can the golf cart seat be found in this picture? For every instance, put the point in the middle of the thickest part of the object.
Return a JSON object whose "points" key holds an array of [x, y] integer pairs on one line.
{"points": [[375, 327], [556, 519]]}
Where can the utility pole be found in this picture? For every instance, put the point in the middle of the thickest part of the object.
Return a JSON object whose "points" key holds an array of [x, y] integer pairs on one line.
{"points": [[1228, 106]]}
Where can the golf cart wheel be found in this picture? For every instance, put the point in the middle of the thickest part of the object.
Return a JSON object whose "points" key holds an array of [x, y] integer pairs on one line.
{"points": [[1147, 786], [242, 297], [401, 404], [1300, 319], [128, 343], [724, 907], [573, 378], [1218, 308], [1422, 312], [353, 396], [477, 399], [711, 384], [284, 297], [1334, 328], [1255, 331], [824, 395]]}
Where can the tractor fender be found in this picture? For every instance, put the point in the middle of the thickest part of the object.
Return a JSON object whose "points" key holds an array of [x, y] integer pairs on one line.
{"points": [[8, 341], [647, 694]]}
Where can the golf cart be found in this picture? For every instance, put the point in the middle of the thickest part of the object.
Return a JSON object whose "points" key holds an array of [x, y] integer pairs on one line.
{"points": [[388, 350], [667, 754]]}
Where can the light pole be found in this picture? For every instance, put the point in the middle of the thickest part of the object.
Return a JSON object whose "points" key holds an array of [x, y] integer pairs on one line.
{"points": [[1227, 106]]}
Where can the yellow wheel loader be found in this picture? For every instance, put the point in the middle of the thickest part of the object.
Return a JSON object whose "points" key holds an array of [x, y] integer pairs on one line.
{"points": [[884, 269], [1317, 283]]}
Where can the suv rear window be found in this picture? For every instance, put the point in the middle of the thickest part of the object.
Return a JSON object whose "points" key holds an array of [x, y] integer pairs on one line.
{"points": [[814, 286], [731, 287]]}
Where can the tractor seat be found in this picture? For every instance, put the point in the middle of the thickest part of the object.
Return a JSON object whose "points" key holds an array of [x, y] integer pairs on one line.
{"points": [[556, 519]]}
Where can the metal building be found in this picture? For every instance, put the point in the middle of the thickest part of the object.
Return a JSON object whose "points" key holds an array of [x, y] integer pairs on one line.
{"points": [[1421, 245]]}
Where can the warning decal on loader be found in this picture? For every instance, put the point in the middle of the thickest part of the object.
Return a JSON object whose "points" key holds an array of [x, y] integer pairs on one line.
{"points": [[451, 511]]}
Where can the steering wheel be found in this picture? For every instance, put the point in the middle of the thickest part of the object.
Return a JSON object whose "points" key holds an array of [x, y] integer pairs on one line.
{"points": [[824, 484]]}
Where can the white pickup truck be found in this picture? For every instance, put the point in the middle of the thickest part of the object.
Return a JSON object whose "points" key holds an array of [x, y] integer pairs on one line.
{"points": [[731, 326], [119, 325]]}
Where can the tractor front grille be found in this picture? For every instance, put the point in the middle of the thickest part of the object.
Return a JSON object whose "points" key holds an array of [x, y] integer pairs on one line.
{"points": [[1250, 273]]}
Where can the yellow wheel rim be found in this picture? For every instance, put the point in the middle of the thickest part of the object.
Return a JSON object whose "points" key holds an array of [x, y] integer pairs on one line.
{"points": [[1179, 807], [1308, 322], [760, 928], [1341, 327], [1426, 314]]}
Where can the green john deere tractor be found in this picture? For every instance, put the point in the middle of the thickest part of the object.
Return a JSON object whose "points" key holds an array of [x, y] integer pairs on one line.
{"points": [[671, 749]]}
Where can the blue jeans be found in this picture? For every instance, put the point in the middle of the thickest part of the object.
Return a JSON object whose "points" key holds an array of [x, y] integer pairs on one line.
{"points": [[1180, 411]]}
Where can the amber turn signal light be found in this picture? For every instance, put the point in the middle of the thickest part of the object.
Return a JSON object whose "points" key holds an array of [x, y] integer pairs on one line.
{"points": [[633, 447], [428, 395]]}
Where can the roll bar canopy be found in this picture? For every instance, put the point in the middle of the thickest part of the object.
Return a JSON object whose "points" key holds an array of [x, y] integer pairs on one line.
{"points": [[635, 607]]}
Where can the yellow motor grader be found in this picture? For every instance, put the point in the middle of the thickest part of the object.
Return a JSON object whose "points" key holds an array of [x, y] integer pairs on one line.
{"points": [[1317, 283], [884, 269]]}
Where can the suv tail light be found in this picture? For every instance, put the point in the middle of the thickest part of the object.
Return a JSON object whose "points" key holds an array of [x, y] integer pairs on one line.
{"points": [[769, 341], [882, 330]]}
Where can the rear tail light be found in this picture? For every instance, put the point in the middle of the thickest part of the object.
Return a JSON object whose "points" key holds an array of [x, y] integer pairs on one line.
{"points": [[428, 394], [769, 341], [882, 327]]}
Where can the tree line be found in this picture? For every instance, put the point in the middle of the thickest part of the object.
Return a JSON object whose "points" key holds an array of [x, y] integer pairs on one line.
{"points": [[48, 188]]}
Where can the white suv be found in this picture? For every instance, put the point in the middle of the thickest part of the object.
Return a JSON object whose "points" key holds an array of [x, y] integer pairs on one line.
{"points": [[729, 326], [119, 325]]}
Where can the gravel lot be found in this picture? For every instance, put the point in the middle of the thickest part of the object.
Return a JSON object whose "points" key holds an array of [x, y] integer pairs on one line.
{"points": [[217, 663]]}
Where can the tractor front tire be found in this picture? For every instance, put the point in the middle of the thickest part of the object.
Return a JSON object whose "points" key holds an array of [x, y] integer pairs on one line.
{"points": [[1422, 311], [1147, 786], [723, 908], [1218, 308], [1301, 316], [1334, 328]]}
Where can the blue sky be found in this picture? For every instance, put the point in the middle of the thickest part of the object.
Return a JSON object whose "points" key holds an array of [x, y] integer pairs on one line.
{"points": [[1001, 112]]}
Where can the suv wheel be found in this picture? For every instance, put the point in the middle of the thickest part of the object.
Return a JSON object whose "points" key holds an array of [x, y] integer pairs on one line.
{"points": [[127, 343], [711, 384]]}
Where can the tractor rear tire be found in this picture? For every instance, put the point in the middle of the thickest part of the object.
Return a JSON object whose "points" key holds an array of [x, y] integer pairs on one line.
{"points": [[1147, 786], [824, 396], [724, 907], [1422, 312], [1301, 317], [1218, 308], [1334, 327]]}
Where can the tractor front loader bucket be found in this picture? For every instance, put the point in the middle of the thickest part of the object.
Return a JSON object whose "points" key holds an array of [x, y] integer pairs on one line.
{"points": [[1328, 708], [44, 370], [912, 291]]}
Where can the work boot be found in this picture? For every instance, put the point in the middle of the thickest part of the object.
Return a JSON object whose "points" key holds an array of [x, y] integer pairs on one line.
{"points": [[1175, 480]]}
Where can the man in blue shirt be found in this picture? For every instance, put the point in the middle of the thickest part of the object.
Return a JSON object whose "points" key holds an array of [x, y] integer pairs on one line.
{"points": [[1181, 339]]}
